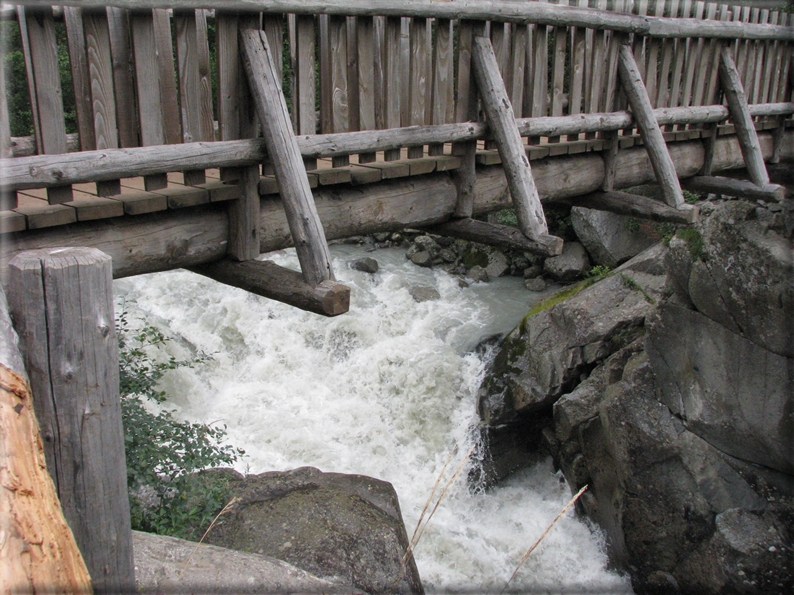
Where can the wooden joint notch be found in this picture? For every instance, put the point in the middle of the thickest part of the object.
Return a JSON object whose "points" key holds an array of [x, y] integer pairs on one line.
{"points": [[265, 278], [495, 234], [731, 187]]}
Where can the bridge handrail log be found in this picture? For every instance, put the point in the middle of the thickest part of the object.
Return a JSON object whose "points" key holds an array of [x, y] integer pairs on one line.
{"points": [[487, 10], [39, 171]]}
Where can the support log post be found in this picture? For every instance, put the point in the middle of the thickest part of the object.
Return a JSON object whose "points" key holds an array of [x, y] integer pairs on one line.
{"points": [[61, 300], [529, 212], [651, 134], [38, 552], [740, 114], [304, 223]]}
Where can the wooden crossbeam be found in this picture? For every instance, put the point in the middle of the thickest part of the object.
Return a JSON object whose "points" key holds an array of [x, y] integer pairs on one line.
{"points": [[304, 223], [265, 278], [634, 205], [495, 234], [731, 187], [529, 212], [651, 134], [740, 114]]}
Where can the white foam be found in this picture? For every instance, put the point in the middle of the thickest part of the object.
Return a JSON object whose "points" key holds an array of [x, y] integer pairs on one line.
{"points": [[386, 390]]}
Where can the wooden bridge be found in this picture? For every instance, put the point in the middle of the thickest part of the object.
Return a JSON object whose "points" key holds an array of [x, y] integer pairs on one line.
{"points": [[206, 137]]}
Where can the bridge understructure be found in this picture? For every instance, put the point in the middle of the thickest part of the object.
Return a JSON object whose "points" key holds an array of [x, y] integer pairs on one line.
{"points": [[207, 137]]}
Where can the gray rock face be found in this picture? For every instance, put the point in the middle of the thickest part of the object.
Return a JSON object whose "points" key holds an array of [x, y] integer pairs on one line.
{"points": [[366, 265], [478, 274], [544, 357], [675, 407], [170, 565], [536, 284], [423, 259], [572, 264], [741, 275], [422, 293], [344, 528], [610, 239], [727, 389]]}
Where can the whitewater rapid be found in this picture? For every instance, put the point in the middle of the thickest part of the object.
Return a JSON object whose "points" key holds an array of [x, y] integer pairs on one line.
{"points": [[386, 390]]}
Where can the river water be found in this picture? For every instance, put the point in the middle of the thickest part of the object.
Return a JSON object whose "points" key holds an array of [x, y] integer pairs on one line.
{"points": [[386, 390]]}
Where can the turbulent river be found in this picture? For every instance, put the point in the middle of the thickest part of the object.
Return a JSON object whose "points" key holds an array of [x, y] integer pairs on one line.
{"points": [[386, 390]]}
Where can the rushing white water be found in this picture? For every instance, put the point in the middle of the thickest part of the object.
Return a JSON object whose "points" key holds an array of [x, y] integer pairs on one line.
{"points": [[386, 390]]}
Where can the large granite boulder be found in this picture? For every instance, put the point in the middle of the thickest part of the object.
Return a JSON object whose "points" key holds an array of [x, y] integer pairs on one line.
{"points": [[737, 268], [609, 238], [684, 427], [170, 565], [346, 529], [546, 355]]}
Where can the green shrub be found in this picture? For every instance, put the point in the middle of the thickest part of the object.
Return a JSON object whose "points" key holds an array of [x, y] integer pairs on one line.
{"points": [[163, 453]]}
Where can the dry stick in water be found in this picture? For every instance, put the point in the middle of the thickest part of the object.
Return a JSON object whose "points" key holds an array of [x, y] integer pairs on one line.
{"points": [[223, 511], [433, 493], [418, 535], [546, 532]]}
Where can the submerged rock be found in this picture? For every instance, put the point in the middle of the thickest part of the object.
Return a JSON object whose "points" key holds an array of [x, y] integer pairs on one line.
{"points": [[423, 293], [366, 265], [347, 529]]}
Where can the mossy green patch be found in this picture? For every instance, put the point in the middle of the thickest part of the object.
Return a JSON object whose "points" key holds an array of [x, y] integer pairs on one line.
{"points": [[630, 283], [474, 257], [694, 241], [559, 297]]}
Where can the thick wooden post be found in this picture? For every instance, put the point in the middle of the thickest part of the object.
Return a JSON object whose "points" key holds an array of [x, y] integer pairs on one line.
{"points": [[38, 552], [61, 301], [304, 223], [740, 114], [502, 123], [650, 132]]}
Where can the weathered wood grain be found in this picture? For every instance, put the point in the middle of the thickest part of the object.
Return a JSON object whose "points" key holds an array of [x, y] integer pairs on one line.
{"points": [[123, 83], [177, 238], [495, 234], [521, 12], [81, 83], [40, 552], [266, 278], [731, 187], [163, 44], [531, 220], [62, 302], [740, 115], [634, 205], [661, 162], [305, 226]]}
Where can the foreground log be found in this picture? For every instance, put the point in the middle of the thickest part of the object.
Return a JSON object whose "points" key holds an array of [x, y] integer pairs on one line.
{"points": [[731, 187], [495, 234], [38, 553], [265, 278], [62, 304], [187, 237]]}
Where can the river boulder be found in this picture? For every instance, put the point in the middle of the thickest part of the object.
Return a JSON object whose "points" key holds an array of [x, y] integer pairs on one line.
{"points": [[666, 388], [609, 238], [572, 264], [346, 529], [170, 565]]}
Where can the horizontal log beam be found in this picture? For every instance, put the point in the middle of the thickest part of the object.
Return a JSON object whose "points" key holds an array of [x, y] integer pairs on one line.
{"points": [[486, 10], [731, 187], [266, 278], [42, 171], [187, 237], [495, 234], [634, 205]]}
